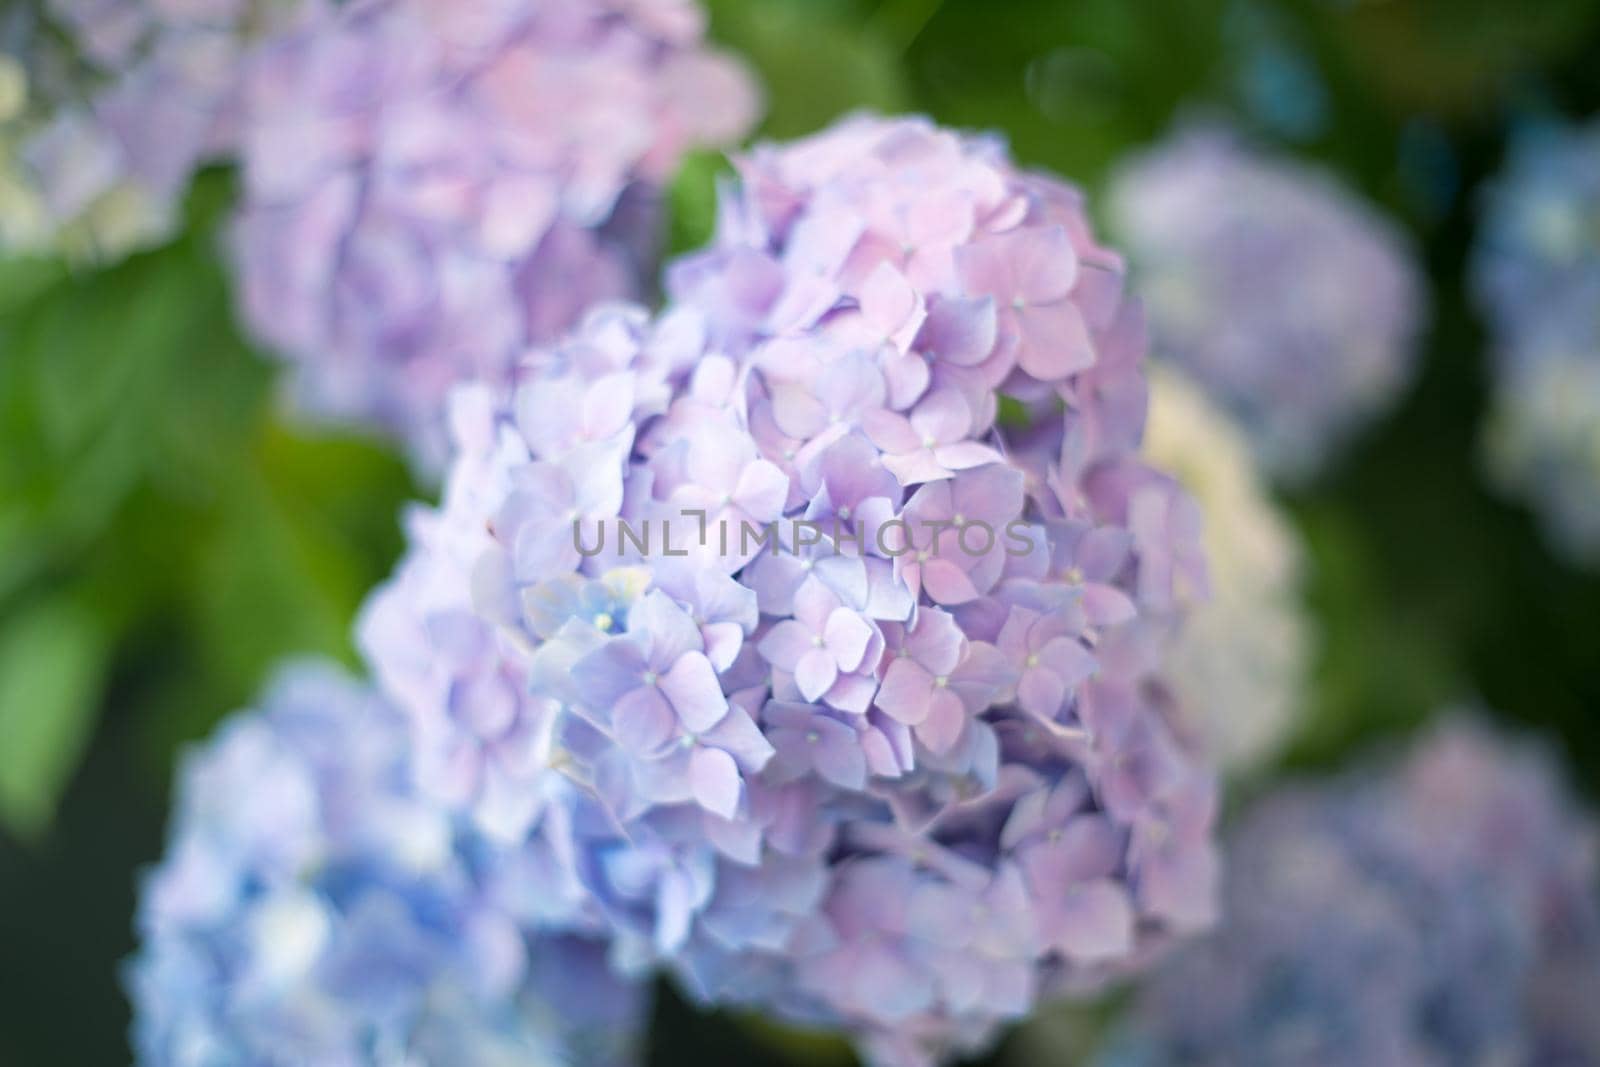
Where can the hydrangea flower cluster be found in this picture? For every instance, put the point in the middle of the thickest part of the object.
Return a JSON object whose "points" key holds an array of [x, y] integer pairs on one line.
{"points": [[98, 141], [64, 181], [1241, 662], [1441, 912], [1537, 273], [836, 701], [1294, 305], [313, 909], [22, 221], [429, 188]]}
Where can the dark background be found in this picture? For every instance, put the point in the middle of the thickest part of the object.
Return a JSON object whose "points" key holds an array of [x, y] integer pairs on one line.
{"points": [[165, 535]]}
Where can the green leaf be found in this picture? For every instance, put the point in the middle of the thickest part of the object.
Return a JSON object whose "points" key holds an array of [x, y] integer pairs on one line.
{"points": [[818, 1048], [815, 63], [267, 586], [122, 390], [1072, 86], [93, 345], [22, 280], [693, 200], [285, 555], [53, 656], [1013, 414]]}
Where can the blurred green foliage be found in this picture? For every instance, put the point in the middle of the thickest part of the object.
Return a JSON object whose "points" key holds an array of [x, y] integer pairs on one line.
{"points": [[166, 534], [52, 662], [817, 58], [147, 485]]}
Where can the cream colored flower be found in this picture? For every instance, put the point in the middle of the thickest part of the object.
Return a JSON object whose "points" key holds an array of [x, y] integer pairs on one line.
{"points": [[1241, 664]]}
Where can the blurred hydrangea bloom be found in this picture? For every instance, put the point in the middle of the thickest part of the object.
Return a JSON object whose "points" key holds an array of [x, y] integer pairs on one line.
{"points": [[1294, 305], [431, 187], [1240, 665], [862, 720], [1443, 912], [312, 909], [103, 123], [22, 222], [67, 183], [1537, 272]]}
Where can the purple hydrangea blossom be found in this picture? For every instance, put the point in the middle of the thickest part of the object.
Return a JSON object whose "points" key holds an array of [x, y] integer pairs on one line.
{"points": [[313, 909], [1440, 912], [441, 654], [1537, 275], [430, 188], [115, 130], [1241, 666], [920, 687], [107, 108], [822, 645], [874, 746], [172, 71], [1293, 304]]}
